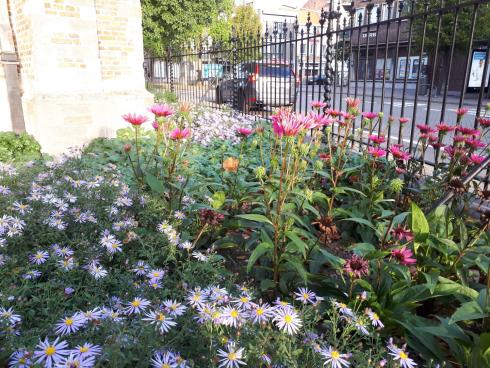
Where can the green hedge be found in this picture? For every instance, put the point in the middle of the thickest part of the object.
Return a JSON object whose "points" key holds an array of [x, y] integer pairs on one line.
{"points": [[18, 147]]}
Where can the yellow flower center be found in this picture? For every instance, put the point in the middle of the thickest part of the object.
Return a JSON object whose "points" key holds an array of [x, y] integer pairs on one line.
{"points": [[244, 299], [402, 355], [165, 365], [260, 311], [50, 350], [68, 322], [375, 316], [335, 354], [306, 296], [288, 319], [22, 360], [39, 256], [135, 303], [234, 313], [342, 305], [173, 307], [161, 317], [232, 356], [216, 315], [114, 245], [83, 349]]}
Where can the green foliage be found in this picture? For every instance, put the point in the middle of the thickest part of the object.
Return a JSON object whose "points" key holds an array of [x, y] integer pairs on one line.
{"points": [[18, 147], [246, 21], [171, 23]]}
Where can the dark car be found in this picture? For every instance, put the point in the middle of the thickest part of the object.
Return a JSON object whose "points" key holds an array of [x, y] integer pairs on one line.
{"points": [[316, 79], [259, 84]]}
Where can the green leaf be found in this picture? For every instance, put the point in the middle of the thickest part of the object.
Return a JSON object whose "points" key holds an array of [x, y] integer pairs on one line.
{"points": [[468, 311], [360, 221], [299, 268], [258, 252], [343, 190], [448, 287], [155, 184], [431, 279], [420, 226], [362, 249], [255, 217], [219, 199], [267, 284], [301, 245]]}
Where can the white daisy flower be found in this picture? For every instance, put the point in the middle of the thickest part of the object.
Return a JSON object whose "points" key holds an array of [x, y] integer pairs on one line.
{"points": [[305, 296], [71, 324], [39, 257], [334, 359], [160, 320], [137, 306], [287, 320], [50, 353], [174, 308], [231, 357]]}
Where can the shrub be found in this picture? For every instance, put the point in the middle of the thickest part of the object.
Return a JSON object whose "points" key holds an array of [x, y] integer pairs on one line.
{"points": [[18, 147]]}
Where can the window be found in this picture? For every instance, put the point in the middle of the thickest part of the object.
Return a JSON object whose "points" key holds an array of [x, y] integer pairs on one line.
{"points": [[359, 12], [374, 15], [384, 12], [412, 67]]}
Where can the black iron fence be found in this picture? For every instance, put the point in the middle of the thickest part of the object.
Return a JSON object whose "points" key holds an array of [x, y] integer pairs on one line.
{"points": [[421, 60]]}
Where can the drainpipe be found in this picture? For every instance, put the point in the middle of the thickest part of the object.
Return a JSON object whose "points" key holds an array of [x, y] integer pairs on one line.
{"points": [[9, 61]]}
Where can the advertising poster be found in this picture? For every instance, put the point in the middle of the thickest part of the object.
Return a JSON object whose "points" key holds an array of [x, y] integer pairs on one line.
{"points": [[476, 71]]}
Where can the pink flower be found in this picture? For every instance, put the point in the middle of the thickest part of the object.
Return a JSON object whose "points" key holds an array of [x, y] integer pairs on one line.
{"points": [[444, 128], [334, 113], [347, 116], [244, 132], [403, 120], [178, 134], [401, 232], [155, 125], [161, 110], [352, 103], [461, 111], [425, 129], [135, 119], [286, 123], [318, 104], [476, 159], [315, 120], [459, 138], [468, 131], [356, 266], [370, 115], [376, 152], [376, 139], [485, 122], [403, 256], [398, 153], [475, 143]]}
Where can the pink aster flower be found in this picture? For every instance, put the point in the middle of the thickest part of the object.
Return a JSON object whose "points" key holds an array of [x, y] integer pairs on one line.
{"points": [[474, 143], [244, 132], [425, 129], [461, 111], [178, 134], [370, 115], [402, 233], [135, 119], [403, 120], [443, 128], [287, 123], [376, 139], [352, 103], [468, 131], [356, 266], [334, 113], [476, 159], [484, 122], [161, 110], [315, 120], [318, 104], [398, 154], [403, 256], [376, 152]]}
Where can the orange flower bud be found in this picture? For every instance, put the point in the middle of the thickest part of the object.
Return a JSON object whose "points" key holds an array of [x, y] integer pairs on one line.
{"points": [[231, 164]]}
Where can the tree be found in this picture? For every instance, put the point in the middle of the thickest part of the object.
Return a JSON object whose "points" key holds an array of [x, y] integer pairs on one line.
{"points": [[171, 23], [246, 21]]}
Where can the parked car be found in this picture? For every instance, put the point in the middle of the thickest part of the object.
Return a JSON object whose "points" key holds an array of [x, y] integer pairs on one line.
{"points": [[316, 79], [259, 84]]}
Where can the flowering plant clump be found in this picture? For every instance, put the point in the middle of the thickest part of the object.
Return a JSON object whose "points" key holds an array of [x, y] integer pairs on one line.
{"points": [[203, 239]]}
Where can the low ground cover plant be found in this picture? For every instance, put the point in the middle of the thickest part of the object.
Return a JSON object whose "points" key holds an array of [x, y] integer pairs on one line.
{"points": [[207, 239]]}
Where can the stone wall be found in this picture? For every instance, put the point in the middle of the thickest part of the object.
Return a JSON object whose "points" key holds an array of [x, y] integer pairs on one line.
{"points": [[80, 67]]}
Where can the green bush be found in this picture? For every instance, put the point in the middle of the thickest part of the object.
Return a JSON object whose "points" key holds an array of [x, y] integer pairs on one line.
{"points": [[18, 147]]}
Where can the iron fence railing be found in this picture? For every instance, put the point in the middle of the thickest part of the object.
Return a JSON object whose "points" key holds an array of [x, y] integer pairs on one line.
{"points": [[422, 60]]}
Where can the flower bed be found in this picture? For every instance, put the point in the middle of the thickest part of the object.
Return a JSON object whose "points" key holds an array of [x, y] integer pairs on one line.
{"points": [[265, 245]]}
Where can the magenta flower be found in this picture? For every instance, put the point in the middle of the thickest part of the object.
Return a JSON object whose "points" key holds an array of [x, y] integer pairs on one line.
{"points": [[286, 123], [352, 103], [376, 152], [402, 233], [376, 139], [334, 113], [318, 104], [459, 138], [476, 159], [370, 115], [161, 110], [443, 128], [403, 120], [425, 129], [356, 266], [461, 111], [315, 120], [485, 122], [155, 125], [403, 256], [398, 154], [468, 131], [244, 132], [474, 143], [178, 134], [135, 119]]}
